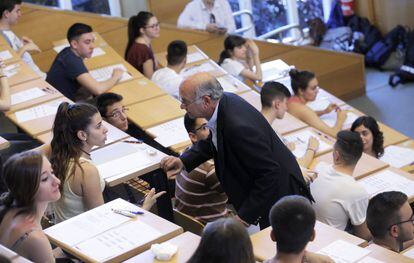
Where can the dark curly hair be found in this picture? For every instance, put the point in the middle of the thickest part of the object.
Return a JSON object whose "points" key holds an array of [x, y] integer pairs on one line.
{"points": [[372, 125]]}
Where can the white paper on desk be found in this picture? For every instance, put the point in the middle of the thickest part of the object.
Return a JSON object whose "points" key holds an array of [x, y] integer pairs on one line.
{"points": [[319, 104], [203, 67], [173, 139], [370, 260], [330, 118], [60, 47], [231, 84], [5, 55], [196, 56], [37, 112], [11, 70], [301, 140], [114, 134], [26, 95], [387, 181], [410, 253], [119, 240], [98, 52], [90, 223], [170, 133], [398, 156], [274, 70], [344, 252], [105, 73]]}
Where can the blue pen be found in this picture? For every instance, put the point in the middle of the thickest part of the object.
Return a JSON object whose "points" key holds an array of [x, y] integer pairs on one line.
{"points": [[127, 213]]}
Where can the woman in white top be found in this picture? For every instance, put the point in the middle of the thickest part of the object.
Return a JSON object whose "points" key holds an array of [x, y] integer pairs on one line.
{"points": [[239, 57], [77, 128]]}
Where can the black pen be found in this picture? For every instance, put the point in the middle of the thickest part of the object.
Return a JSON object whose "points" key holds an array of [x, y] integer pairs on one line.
{"points": [[135, 142]]}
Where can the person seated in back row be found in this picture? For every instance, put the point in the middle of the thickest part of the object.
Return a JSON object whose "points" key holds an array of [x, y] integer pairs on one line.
{"points": [[339, 200], [10, 12], [371, 135], [293, 221], [199, 193], [274, 96], [391, 221], [305, 87], [214, 16], [68, 72], [168, 78]]}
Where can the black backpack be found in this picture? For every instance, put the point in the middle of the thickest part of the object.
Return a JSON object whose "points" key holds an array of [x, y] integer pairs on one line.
{"points": [[406, 72], [371, 33], [381, 50]]}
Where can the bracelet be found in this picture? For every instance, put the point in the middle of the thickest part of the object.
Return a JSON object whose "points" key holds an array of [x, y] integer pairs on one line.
{"points": [[310, 149]]}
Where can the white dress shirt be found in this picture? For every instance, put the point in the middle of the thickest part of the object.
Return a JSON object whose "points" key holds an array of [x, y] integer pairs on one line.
{"points": [[212, 125], [196, 15], [168, 80]]}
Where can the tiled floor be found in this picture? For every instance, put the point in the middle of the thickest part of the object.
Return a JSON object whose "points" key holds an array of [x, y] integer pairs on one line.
{"points": [[392, 106]]}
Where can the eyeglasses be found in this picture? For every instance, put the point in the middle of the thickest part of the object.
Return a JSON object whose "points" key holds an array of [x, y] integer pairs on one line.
{"points": [[153, 26], [183, 102], [117, 114], [202, 127], [405, 221]]}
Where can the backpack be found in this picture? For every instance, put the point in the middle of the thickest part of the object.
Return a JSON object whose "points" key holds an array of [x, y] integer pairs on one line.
{"points": [[370, 32], [381, 50], [406, 72]]}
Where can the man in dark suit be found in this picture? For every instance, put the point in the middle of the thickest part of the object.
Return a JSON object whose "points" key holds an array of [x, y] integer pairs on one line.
{"points": [[253, 166]]}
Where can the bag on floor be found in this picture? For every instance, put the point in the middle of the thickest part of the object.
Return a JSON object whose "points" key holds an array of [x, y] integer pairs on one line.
{"points": [[406, 72]]}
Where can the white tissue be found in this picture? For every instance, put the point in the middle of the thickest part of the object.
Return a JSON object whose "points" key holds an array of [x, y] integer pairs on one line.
{"points": [[164, 251]]}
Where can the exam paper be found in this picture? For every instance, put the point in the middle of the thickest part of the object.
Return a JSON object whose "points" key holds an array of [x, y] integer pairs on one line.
{"points": [[387, 181], [301, 142], [398, 156], [319, 105], [274, 70], [37, 112], [26, 95], [204, 67], [231, 84], [344, 252], [410, 253], [5, 55], [170, 133], [105, 73], [196, 56], [330, 118]]}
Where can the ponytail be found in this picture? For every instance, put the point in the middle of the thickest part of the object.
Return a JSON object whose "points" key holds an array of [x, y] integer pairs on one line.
{"points": [[223, 55]]}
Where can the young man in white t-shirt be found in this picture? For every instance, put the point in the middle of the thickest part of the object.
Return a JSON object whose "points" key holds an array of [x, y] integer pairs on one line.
{"points": [[10, 11], [339, 200], [168, 78]]}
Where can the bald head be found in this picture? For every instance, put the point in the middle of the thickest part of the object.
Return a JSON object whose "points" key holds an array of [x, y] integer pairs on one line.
{"points": [[202, 92]]}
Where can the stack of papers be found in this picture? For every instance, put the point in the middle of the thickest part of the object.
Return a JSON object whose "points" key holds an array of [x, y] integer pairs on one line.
{"points": [[105, 73], [398, 156], [196, 56], [38, 112], [274, 70], [170, 133], [344, 252], [301, 140], [387, 181], [26, 95]]}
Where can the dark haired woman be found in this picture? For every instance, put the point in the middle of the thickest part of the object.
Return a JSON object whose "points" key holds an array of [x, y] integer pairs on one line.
{"points": [[224, 241], [142, 29], [371, 135], [305, 88], [238, 58], [31, 187]]}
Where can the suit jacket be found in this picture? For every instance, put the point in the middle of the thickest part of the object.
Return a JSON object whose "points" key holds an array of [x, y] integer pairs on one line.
{"points": [[253, 165]]}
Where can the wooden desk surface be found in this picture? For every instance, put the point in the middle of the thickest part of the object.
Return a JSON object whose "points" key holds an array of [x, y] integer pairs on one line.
{"points": [[366, 165], [166, 230], [264, 248], [111, 160], [392, 136], [162, 56], [50, 94], [155, 111], [40, 125], [187, 243], [4, 144], [137, 90], [110, 57], [24, 74], [386, 255], [7, 48]]}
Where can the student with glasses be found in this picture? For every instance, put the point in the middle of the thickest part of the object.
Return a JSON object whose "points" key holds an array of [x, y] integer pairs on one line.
{"points": [[391, 221], [199, 193], [142, 29], [214, 16]]}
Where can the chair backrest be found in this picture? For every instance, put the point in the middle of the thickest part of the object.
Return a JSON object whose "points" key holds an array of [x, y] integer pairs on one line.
{"points": [[188, 223]]}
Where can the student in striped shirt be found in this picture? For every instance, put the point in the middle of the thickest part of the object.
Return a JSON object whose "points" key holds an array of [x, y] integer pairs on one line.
{"points": [[199, 193]]}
